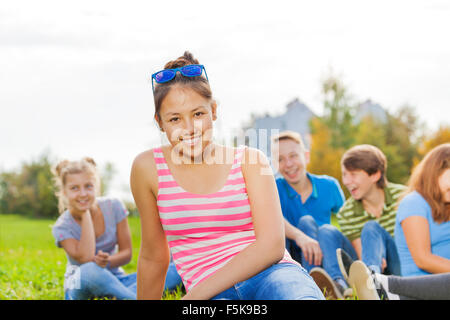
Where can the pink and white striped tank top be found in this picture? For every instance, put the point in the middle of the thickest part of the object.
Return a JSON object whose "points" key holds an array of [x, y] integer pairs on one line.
{"points": [[204, 231]]}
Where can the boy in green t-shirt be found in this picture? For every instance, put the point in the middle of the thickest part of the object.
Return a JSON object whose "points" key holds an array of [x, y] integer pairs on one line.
{"points": [[367, 218]]}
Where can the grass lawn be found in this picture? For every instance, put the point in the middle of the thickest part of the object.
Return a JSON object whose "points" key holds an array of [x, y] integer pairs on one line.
{"points": [[32, 267]]}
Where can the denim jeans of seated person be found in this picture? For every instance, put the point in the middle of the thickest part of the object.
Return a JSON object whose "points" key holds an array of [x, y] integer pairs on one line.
{"points": [[282, 281], [91, 280], [376, 244]]}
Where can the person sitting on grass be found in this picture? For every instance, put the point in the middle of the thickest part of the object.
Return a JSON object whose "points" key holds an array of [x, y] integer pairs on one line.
{"points": [[307, 202], [367, 218], [422, 230], [422, 236], [215, 207], [89, 229]]}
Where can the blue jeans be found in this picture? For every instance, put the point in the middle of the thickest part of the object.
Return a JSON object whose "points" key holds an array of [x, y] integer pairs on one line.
{"points": [[308, 226], [95, 281], [173, 279], [331, 239], [281, 281], [377, 244]]}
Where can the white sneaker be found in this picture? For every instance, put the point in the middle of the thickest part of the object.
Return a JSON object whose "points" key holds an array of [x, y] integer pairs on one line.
{"points": [[361, 279]]}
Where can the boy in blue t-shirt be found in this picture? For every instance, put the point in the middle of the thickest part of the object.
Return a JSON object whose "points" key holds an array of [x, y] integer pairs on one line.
{"points": [[307, 200]]}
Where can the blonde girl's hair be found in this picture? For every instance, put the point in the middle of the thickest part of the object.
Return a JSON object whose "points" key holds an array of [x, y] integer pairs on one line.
{"points": [[65, 167]]}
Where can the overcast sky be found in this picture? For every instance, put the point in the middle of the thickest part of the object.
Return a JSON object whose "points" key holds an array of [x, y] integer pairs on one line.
{"points": [[74, 76]]}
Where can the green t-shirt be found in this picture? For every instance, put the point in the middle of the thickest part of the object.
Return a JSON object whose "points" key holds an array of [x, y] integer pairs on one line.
{"points": [[352, 215]]}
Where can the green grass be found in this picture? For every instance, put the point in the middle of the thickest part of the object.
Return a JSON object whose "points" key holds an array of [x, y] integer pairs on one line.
{"points": [[32, 267]]}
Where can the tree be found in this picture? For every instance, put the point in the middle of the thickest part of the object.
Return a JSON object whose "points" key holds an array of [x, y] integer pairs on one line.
{"points": [[324, 158], [333, 133], [107, 175], [440, 136], [30, 190], [338, 112], [403, 131], [338, 130]]}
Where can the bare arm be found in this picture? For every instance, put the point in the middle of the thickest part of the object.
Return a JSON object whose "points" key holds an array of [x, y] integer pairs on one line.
{"points": [[83, 250], [123, 256], [267, 249], [154, 254], [310, 247], [417, 235]]}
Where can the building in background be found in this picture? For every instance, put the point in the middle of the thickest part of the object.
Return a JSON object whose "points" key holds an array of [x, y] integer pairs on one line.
{"points": [[369, 108], [297, 118], [257, 132]]}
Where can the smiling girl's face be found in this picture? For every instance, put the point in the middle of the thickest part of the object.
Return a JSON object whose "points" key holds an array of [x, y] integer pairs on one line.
{"points": [[80, 192], [187, 119]]}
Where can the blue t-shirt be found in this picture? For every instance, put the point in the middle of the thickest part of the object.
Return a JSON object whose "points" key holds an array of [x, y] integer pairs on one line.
{"points": [[113, 212], [414, 204], [326, 197]]}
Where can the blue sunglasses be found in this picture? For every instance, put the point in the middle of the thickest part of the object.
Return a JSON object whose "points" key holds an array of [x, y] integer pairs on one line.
{"points": [[191, 70]]}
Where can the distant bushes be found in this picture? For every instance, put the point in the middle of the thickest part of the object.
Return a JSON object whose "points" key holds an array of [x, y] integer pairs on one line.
{"points": [[30, 191]]}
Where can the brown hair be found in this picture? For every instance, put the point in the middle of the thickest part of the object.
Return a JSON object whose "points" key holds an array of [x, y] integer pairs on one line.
{"points": [[65, 167], [198, 84], [424, 180], [368, 158]]}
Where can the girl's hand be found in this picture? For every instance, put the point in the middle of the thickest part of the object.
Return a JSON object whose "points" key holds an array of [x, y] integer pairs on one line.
{"points": [[102, 259], [80, 216]]}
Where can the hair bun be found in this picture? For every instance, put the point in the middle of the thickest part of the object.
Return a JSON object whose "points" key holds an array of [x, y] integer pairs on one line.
{"points": [[90, 160], [186, 59], [60, 166]]}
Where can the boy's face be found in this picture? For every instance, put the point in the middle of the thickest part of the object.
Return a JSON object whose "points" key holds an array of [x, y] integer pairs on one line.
{"points": [[291, 160], [359, 182]]}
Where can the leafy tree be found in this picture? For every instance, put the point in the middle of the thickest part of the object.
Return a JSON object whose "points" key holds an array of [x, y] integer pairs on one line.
{"points": [[30, 190], [338, 130], [324, 158], [403, 131], [338, 112], [107, 175], [440, 136]]}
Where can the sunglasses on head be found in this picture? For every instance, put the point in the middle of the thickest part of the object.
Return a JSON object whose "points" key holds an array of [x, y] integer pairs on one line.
{"points": [[191, 70]]}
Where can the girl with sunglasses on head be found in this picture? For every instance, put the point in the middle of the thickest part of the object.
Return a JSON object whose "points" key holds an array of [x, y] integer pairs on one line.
{"points": [[215, 207], [94, 233]]}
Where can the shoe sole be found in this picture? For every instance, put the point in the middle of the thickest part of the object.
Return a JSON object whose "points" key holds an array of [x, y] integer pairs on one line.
{"points": [[325, 284], [362, 281], [341, 265]]}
